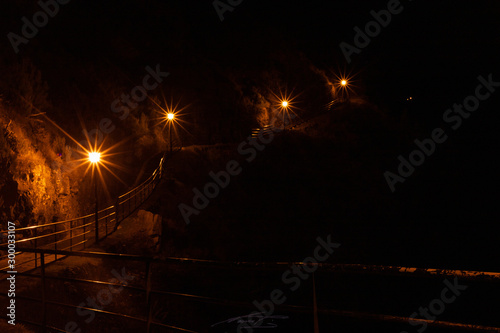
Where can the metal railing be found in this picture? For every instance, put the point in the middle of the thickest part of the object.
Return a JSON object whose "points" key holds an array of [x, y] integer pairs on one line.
{"points": [[78, 233], [147, 288], [46, 302], [266, 130]]}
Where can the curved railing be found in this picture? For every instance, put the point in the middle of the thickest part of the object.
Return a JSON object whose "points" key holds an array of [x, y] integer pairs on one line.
{"points": [[78, 233], [266, 130]]}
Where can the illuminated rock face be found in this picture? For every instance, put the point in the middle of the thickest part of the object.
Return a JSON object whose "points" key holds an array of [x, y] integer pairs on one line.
{"points": [[35, 188]]}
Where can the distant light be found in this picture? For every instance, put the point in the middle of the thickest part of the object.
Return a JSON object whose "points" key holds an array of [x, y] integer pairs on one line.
{"points": [[284, 104], [170, 116], [343, 82], [94, 157]]}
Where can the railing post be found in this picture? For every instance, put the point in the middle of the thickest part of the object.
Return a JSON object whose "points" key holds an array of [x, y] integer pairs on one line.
{"points": [[315, 306], [36, 238], [84, 233], [148, 294], [44, 304], [117, 212], [160, 171], [96, 226], [55, 244]]}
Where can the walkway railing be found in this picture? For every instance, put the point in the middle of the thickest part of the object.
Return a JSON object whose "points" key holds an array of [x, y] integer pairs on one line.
{"points": [[268, 129], [78, 233], [153, 296]]}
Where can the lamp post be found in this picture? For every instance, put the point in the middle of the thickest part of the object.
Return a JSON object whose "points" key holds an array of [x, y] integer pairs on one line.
{"points": [[94, 158], [343, 86], [170, 119], [284, 106]]}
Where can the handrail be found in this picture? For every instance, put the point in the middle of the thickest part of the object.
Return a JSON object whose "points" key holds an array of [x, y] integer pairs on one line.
{"points": [[146, 288], [144, 182], [336, 267], [50, 224]]}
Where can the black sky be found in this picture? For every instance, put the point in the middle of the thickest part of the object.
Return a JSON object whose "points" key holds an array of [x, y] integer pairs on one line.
{"points": [[431, 50]]}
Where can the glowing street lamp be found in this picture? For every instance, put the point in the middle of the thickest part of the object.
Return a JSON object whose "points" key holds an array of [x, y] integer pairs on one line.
{"points": [[284, 102], [344, 86], [94, 159], [170, 119]]}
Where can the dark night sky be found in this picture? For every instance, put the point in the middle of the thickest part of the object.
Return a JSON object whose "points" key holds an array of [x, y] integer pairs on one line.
{"points": [[432, 51], [448, 37], [430, 47]]}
